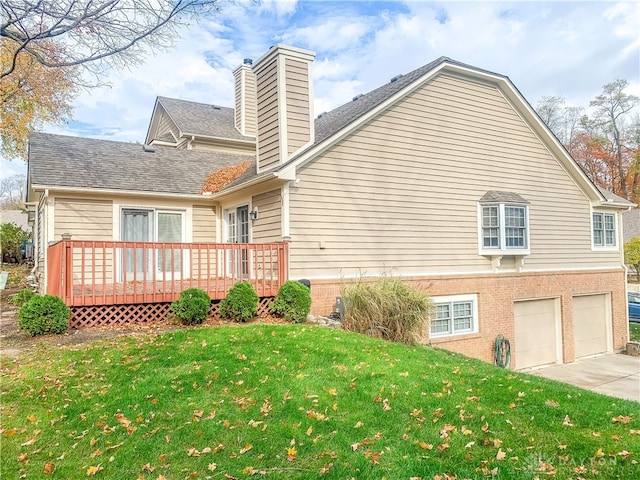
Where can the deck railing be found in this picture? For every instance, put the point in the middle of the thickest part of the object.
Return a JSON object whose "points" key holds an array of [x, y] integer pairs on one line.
{"points": [[115, 273]]}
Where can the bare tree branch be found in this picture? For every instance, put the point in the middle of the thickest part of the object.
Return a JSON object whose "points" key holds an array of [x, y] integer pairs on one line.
{"points": [[95, 33]]}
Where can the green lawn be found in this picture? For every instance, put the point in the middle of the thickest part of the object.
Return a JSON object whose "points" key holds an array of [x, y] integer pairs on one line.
{"points": [[289, 402]]}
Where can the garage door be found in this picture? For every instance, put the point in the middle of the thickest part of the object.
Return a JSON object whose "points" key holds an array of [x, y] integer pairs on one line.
{"points": [[590, 324], [536, 339]]}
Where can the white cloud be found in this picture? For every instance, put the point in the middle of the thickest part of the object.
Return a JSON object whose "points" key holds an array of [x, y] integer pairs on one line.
{"points": [[546, 48], [330, 35], [280, 7]]}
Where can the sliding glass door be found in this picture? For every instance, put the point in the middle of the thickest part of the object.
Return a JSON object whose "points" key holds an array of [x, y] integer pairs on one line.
{"points": [[142, 225]]}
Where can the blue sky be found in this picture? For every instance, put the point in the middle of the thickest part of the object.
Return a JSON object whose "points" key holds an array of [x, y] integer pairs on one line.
{"points": [[546, 48]]}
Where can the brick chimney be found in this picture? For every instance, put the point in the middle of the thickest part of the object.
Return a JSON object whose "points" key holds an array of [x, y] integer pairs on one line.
{"points": [[245, 99], [284, 104]]}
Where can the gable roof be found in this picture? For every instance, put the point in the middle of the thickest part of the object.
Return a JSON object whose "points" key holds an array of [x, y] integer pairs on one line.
{"points": [[87, 163], [200, 119], [331, 122], [335, 125], [614, 199]]}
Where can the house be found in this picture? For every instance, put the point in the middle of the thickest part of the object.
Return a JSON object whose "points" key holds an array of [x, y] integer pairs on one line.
{"points": [[444, 176], [631, 224]]}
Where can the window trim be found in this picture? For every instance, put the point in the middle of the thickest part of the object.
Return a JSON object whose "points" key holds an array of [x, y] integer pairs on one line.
{"points": [[604, 245], [451, 299], [502, 248]]}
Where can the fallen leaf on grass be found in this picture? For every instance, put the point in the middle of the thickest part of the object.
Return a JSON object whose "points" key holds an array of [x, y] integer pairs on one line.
{"points": [[91, 471], [48, 468], [621, 419], [567, 421]]}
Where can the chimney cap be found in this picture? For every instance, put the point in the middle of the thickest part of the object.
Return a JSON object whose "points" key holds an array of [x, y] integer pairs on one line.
{"points": [[247, 61]]}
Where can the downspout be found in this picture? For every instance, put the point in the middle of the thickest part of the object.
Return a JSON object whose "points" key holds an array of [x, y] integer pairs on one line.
{"points": [[626, 274], [286, 232], [286, 225], [45, 242]]}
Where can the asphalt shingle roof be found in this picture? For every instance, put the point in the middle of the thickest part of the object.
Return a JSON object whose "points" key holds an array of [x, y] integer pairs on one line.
{"points": [[64, 161], [201, 119], [331, 122]]}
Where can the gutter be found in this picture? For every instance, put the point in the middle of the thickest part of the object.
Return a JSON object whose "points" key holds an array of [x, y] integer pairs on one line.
{"points": [[220, 139], [255, 181], [84, 191]]}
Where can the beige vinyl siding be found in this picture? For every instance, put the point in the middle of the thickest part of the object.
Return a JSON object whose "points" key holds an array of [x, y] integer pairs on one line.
{"points": [[204, 224], [400, 194], [166, 125], [250, 119], [298, 104], [268, 122], [204, 231], [86, 219], [268, 226], [245, 100], [238, 75]]}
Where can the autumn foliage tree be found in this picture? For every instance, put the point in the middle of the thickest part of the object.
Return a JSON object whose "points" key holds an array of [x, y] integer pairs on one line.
{"points": [[605, 143], [31, 96], [52, 47]]}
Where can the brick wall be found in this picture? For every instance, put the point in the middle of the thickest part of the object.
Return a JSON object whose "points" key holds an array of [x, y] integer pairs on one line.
{"points": [[496, 295]]}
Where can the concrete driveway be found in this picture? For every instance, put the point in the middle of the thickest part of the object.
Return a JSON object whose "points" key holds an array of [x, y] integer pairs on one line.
{"points": [[616, 375]]}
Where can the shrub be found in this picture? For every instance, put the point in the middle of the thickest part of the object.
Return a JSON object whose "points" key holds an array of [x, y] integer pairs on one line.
{"points": [[22, 297], [44, 314], [292, 302], [11, 238], [241, 303], [192, 307], [390, 309]]}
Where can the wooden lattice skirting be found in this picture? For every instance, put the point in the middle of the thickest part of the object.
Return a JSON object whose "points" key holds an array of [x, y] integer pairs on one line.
{"points": [[140, 313]]}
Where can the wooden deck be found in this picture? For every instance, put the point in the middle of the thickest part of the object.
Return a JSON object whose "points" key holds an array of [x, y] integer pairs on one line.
{"points": [[87, 273]]}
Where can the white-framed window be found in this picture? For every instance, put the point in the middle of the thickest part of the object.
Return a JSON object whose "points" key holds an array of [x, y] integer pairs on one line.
{"points": [[454, 315], [604, 229], [503, 224]]}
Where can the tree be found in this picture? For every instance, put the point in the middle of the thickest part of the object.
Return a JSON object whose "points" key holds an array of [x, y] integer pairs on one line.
{"points": [[11, 239], [605, 144], [632, 255], [49, 47], [610, 119], [562, 120], [31, 96], [93, 34], [12, 191]]}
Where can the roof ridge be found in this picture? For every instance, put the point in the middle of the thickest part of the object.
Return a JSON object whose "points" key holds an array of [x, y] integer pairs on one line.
{"points": [[193, 102]]}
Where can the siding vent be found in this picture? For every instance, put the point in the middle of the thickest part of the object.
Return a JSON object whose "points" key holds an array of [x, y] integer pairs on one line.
{"points": [[358, 97], [396, 78]]}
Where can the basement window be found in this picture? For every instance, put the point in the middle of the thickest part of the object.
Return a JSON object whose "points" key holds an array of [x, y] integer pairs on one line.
{"points": [[454, 315]]}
